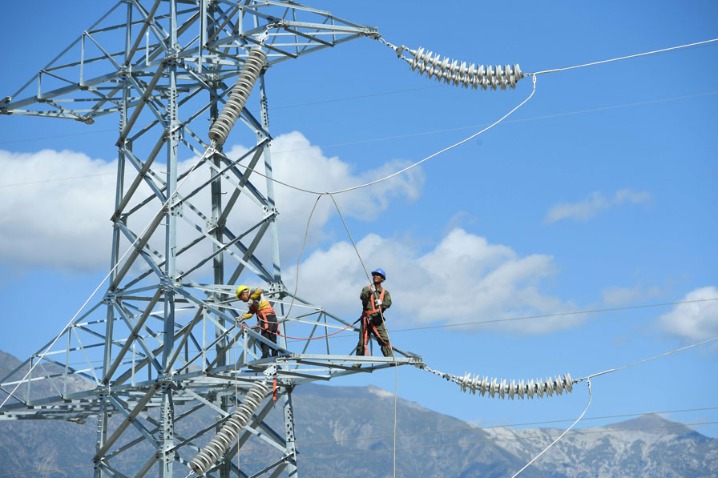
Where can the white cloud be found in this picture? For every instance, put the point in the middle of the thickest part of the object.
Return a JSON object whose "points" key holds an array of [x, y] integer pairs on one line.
{"points": [[298, 163], [593, 204], [463, 281], [696, 318], [49, 219], [55, 207]]}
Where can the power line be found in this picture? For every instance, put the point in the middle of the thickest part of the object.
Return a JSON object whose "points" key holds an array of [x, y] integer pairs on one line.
{"points": [[553, 315], [396, 137], [628, 57], [458, 144], [55, 180], [558, 314]]}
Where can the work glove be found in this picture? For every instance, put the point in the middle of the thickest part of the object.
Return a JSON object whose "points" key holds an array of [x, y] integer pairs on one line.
{"points": [[377, 302]]}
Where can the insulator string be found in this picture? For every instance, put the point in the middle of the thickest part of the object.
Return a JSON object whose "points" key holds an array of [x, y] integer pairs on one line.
{"points": [[456, 73], [241, 90], [230, 430], [502, 388], [453, 72]]}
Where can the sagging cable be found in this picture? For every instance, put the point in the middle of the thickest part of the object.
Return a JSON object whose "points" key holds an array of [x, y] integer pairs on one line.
{"points": [[502, 388], [241, 90], [230, 430]]}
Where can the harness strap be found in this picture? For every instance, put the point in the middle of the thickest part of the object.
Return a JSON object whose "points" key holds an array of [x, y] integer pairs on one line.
{"points": [[366, 322], [372, 303], [262, 317]]}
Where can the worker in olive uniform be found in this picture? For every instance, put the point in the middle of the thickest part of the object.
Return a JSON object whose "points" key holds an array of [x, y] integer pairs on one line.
{"points": [[375, 300], [266, 317]]}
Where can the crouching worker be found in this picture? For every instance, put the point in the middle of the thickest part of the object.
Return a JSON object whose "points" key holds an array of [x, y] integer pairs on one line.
{"points": [[266, 317], [375, 300]]}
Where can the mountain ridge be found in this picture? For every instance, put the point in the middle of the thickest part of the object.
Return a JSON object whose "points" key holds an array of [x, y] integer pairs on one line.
{"points": [[341, 432]]}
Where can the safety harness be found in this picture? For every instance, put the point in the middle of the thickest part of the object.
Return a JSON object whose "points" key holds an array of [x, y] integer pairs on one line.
{"points": [[367, 322], [263, 310]]}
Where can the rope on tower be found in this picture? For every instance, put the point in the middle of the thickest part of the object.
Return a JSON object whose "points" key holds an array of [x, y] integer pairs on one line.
{"points": [[231, 429], [238, 97], [501, 388]]}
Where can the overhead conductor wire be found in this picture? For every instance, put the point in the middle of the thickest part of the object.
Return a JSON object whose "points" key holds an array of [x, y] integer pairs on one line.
{"points": [[590, 398], [627, 57], [370, 183], [534, 76], [500, 120], [587, 379], [431, 156], [588, 382], [448, 148]]}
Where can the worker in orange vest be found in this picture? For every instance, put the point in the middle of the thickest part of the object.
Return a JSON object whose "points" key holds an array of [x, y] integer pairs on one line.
{"points": [[266, 317], [375, 300]]}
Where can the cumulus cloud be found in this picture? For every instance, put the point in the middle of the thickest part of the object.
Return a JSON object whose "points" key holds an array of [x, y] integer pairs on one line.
{"points": [[55, 209], [298, 163], [696, 318], [55, 206], [463, 281], [303, 173], [593, 204]]}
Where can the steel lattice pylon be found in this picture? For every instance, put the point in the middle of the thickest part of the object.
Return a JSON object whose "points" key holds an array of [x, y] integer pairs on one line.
{"points": [[160, 360]]}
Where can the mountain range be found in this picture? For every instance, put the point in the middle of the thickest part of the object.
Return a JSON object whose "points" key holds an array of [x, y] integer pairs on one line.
{"points": [[348, 432]]}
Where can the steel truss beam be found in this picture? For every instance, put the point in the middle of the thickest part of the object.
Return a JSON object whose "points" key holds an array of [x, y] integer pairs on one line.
{"points": [[161, 359]]}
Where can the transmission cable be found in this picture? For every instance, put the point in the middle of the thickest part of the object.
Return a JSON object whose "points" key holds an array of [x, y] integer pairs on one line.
{"points": [[419, 56], [588, 382], [548, 387], [407, 168], [627, 57], [590, 398], [533, 76]]}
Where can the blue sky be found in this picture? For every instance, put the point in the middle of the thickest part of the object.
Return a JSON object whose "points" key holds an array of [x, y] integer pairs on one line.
{"points": [[578, 235]]}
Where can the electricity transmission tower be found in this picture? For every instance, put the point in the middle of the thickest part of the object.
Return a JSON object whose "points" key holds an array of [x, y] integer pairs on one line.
{"points": [[160, 359]]}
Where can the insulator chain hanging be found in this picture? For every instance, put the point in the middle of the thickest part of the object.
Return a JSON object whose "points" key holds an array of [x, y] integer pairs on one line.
{"points": [[230, 430], [505, 389], [461, 73], [238, 97]]}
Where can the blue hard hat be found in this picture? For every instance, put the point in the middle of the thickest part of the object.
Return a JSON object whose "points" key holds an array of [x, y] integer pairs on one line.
{"points": [[380, 272]]}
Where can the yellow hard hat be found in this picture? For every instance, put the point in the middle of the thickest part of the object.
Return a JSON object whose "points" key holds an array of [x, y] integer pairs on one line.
{"points": [[241, 289]]}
